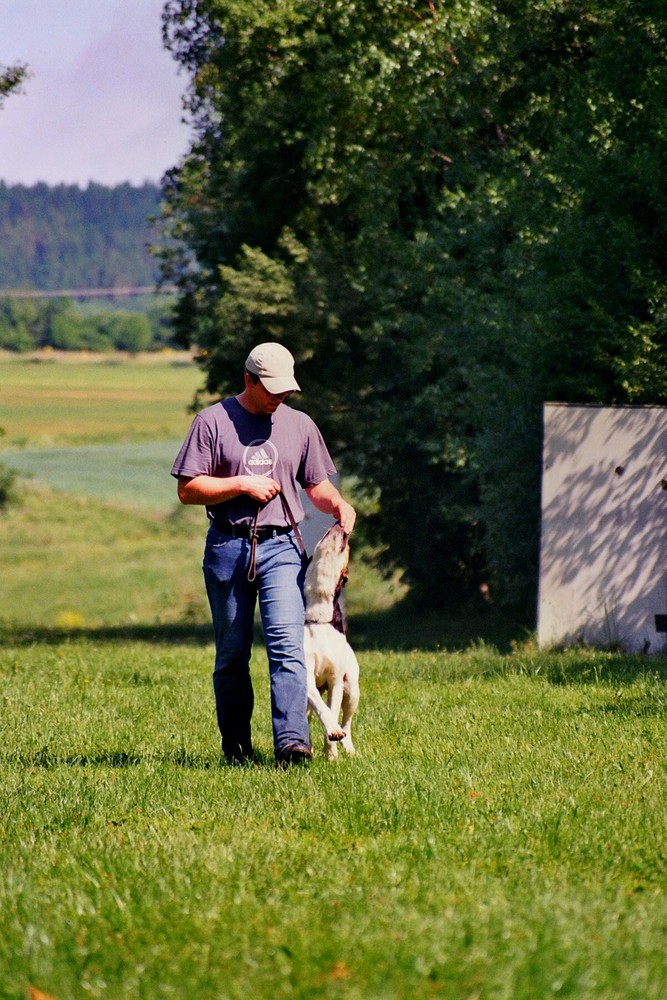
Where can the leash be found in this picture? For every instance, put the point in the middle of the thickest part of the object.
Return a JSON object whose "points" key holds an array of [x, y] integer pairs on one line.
{"points": [[295, 527], [254, 536]]}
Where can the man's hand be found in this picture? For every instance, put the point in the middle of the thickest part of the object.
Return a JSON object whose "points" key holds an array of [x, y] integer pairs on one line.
{"points": [[347, 516], [260, 488], [326, 498], [213, 490]]}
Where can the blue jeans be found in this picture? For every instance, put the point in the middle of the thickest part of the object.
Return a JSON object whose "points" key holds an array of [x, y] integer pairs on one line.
{"points": [[279, 585]]}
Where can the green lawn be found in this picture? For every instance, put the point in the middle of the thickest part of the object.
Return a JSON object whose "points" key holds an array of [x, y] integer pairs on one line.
{"points": [[499, 836], [97, 426], [501, 832]]}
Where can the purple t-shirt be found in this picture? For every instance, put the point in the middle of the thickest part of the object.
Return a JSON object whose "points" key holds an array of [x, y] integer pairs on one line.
{"points": [[227, 440]]}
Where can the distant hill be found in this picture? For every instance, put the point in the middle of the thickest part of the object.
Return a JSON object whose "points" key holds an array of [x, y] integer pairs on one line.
{"points": [[67, 237]]}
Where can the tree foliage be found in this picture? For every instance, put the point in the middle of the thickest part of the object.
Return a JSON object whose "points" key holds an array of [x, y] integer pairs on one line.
{"points": [[62, 236], [12, 79], [450, 213], [60, 323]]}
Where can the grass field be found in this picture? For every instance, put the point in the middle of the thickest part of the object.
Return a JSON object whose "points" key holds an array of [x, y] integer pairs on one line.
{"points": [[499, 836], [133, 475], [50, 402], [113, 426]]}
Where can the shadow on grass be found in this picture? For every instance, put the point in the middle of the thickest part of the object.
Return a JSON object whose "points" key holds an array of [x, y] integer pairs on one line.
{"points": [[403, 627], [583, 665], [180, 634], [484, 643], [485, 635], [407, 627], [47, 759]]}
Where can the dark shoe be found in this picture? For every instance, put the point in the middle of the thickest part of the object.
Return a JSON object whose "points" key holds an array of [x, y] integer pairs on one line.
{"points": [[237, 753], [293, 753]]}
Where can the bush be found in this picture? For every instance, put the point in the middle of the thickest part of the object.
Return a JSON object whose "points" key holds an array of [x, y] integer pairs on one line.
{"points": [[127, 331], [16, 325], [8, 491]]}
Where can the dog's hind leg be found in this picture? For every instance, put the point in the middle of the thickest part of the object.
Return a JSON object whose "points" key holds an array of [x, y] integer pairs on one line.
{"points": [[349, 708], [350, 699]]}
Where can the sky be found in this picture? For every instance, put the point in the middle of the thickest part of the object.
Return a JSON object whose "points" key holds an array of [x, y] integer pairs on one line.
{"points": [[104, 101]]}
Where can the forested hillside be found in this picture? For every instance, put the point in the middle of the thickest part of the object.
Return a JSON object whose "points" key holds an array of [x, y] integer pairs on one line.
{"points": [[64, 237]]}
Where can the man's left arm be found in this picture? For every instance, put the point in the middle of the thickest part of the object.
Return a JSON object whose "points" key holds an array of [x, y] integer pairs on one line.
{"points": [[326, 498]]}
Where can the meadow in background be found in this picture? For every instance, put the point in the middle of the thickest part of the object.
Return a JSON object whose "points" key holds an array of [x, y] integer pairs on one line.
{"points": [[501, 833]]}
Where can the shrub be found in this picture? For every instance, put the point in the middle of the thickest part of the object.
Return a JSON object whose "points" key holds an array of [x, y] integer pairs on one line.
{"points": [[8, 491]]}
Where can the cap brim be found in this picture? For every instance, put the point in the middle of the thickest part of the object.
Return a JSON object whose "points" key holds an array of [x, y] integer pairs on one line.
{"points": [[276, 385]]}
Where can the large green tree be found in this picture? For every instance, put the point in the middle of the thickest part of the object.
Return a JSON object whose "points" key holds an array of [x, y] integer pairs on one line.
{"points": [[449, 212]]}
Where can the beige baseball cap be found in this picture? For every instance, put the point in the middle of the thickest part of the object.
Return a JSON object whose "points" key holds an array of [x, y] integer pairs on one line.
{"points": [[274, 365]]}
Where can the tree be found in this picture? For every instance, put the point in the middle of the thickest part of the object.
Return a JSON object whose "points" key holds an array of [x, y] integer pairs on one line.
{"points": [[429, 203], [65, 237], [17, 322], [581, 315], [12, 79], [321, 146]]}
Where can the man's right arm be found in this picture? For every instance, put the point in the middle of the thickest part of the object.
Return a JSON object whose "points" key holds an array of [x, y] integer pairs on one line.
{"points": [[210, 490]]}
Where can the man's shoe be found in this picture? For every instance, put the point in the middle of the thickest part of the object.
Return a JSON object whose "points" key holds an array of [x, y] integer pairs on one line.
{"points": [[237, 753], [293, 753]]}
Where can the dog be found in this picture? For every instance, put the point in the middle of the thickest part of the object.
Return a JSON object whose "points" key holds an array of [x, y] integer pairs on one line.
{"points": [[330, 660]]}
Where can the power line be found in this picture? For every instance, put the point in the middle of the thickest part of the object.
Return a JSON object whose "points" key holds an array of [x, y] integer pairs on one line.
{"points": [[87, 293]]}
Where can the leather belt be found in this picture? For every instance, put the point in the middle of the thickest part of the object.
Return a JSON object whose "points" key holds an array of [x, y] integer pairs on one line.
{"points": [[257, 534], [263, 531]]}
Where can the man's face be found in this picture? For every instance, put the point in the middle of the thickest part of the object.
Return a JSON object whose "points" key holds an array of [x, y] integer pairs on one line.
{"points": [[262, 401]]}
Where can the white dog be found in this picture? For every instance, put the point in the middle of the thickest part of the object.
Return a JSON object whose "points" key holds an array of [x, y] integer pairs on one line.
{"points": [[330, 660]]}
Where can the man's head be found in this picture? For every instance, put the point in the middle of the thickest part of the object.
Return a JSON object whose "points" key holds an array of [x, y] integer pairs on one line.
{"points": [[274, 367]]}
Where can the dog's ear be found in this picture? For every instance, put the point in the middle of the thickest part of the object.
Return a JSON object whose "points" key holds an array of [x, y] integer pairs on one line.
{"points": [[338, 620]]}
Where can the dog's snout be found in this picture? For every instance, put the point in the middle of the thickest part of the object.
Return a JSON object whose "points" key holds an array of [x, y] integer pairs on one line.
{"points": [[343, 535]]}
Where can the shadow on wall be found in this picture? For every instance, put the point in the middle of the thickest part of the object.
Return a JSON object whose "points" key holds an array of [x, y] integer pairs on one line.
{"points": [[603, 553]]}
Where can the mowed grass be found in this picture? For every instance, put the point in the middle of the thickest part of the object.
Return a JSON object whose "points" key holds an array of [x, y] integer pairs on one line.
{"points": [[500, 834]]}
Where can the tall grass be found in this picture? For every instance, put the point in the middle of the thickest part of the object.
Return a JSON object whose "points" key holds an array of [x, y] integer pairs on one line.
{"points": [[77, 563]]}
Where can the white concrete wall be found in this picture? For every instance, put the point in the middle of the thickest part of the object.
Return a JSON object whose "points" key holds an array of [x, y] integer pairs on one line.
{"points": [[603, 551]]}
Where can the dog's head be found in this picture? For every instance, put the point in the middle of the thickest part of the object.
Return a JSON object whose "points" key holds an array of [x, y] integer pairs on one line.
{"points": [[327, 573], [334, 546]]}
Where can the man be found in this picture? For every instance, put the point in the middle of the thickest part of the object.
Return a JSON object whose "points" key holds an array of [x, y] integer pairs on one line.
{"points": [[238, 457]]}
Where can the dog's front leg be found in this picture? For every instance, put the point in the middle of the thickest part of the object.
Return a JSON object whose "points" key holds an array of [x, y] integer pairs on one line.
{"points": [[334, 700], [329, 721]]}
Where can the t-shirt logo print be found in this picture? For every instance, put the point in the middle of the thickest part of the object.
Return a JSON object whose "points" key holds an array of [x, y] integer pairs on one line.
{"points": [[260, 458]]}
